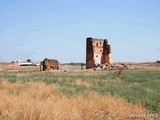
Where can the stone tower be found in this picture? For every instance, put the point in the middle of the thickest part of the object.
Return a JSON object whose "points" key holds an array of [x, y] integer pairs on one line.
{"points": [[98, 51]]}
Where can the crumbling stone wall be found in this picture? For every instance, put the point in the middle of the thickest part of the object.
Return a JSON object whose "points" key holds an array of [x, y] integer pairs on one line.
{"points": [[98, 51], [50, 64]]}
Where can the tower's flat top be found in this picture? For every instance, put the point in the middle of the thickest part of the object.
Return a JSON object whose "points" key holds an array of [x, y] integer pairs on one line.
{"points": [[97, 39]]}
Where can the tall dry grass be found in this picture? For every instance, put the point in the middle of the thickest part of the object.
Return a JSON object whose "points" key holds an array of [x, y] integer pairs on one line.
{"points": [[39, 101]]}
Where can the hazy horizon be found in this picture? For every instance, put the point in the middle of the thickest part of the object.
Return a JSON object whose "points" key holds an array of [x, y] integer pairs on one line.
{"points": [[58, 29]]}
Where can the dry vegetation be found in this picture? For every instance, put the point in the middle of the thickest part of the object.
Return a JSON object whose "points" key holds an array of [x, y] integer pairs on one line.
{"points": [[75, 94], [37, 100], [15, 67]]}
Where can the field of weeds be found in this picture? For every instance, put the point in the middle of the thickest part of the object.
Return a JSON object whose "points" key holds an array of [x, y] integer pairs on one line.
{"points": [[78, 95]]}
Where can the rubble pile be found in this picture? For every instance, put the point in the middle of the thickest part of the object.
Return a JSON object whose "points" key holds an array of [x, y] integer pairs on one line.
{"points": [[115, 66]]}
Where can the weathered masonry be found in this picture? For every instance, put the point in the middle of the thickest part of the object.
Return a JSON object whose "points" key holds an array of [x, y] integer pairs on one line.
{"points": [[50, 64], [98, 51]]}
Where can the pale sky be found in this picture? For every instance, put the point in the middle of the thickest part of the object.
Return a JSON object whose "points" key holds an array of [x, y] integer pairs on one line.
{"points": [[38, 29]]}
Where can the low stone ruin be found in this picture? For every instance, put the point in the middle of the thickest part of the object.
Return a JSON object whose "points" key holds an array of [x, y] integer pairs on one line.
{"points": [[114, 66], [157, 61]]}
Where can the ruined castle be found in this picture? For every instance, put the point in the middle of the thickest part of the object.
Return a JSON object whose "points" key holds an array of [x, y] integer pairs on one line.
{"points": [[98, 51]]}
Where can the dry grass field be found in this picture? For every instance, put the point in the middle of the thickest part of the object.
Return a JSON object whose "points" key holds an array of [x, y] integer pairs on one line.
{"points": [[27, 94], [15, 67], [39, 101]]}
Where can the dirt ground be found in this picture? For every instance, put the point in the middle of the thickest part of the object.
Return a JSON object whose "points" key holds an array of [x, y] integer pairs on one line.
{"points": [[14, 67], [145, 65], [4, 66]]}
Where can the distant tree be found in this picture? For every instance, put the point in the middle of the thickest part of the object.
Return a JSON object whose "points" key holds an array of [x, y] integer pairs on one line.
{"points": [[29, 60], [72, 63], [12, 62]]}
